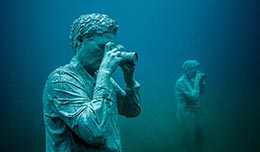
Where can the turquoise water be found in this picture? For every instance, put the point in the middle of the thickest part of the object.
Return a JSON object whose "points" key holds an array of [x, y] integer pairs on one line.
{"points": [[222, 35]]}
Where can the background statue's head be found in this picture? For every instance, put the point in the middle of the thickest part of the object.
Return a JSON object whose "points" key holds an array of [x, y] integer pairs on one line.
{"points": [[190, 67], [90, 25]]}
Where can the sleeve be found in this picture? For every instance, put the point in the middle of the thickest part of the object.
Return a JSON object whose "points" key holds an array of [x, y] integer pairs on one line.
{"points": [[86, 117], [128, 100], [186, 90]]}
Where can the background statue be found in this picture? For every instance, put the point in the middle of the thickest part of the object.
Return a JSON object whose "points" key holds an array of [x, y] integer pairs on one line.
{"points": [[188, 88]]}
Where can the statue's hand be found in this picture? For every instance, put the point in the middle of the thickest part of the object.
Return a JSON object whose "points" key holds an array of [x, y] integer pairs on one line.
{"points": [[111, 58], [200, 75]]}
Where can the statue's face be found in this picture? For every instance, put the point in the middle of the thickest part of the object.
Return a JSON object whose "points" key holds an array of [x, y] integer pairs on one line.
{"points": [[92, 51], [191, 73]]}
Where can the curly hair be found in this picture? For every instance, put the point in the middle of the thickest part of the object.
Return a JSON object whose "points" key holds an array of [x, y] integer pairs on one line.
{"points": [[90, 25], [190, 64]]}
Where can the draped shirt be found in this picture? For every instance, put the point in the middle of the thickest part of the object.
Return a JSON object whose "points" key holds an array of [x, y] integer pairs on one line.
{"points": [[82, 117]]}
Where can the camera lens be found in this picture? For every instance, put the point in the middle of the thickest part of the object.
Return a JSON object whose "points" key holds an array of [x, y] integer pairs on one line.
{"points": [[130, 57]]}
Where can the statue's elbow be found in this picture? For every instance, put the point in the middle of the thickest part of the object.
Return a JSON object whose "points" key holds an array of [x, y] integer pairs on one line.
{"points": [[136, 112]]}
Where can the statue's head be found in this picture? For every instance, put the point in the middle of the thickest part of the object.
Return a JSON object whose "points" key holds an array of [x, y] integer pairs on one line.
{"points": [[90, 25], [190, 67]]}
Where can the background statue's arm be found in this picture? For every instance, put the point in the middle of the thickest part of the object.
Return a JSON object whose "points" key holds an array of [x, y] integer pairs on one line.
{"points": [[187, 90]]}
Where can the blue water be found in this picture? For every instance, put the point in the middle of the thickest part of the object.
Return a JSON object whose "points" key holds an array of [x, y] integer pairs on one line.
{"points": [[223, 35]]}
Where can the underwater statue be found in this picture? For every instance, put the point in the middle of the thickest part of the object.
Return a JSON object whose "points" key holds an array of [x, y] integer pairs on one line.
{"points": [[81, 101], [188, 88]]}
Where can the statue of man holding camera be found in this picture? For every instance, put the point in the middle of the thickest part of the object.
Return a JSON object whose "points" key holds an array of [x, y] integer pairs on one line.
{"points": [[188, 88], [81, 100]]}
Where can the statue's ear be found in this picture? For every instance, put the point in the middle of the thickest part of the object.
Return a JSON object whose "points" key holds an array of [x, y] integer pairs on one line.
{"points": [[79, 41], [80, 38]]}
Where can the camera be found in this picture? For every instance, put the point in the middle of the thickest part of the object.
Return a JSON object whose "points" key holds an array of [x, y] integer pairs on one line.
{"points": [[130, 58], [203, 75]]}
